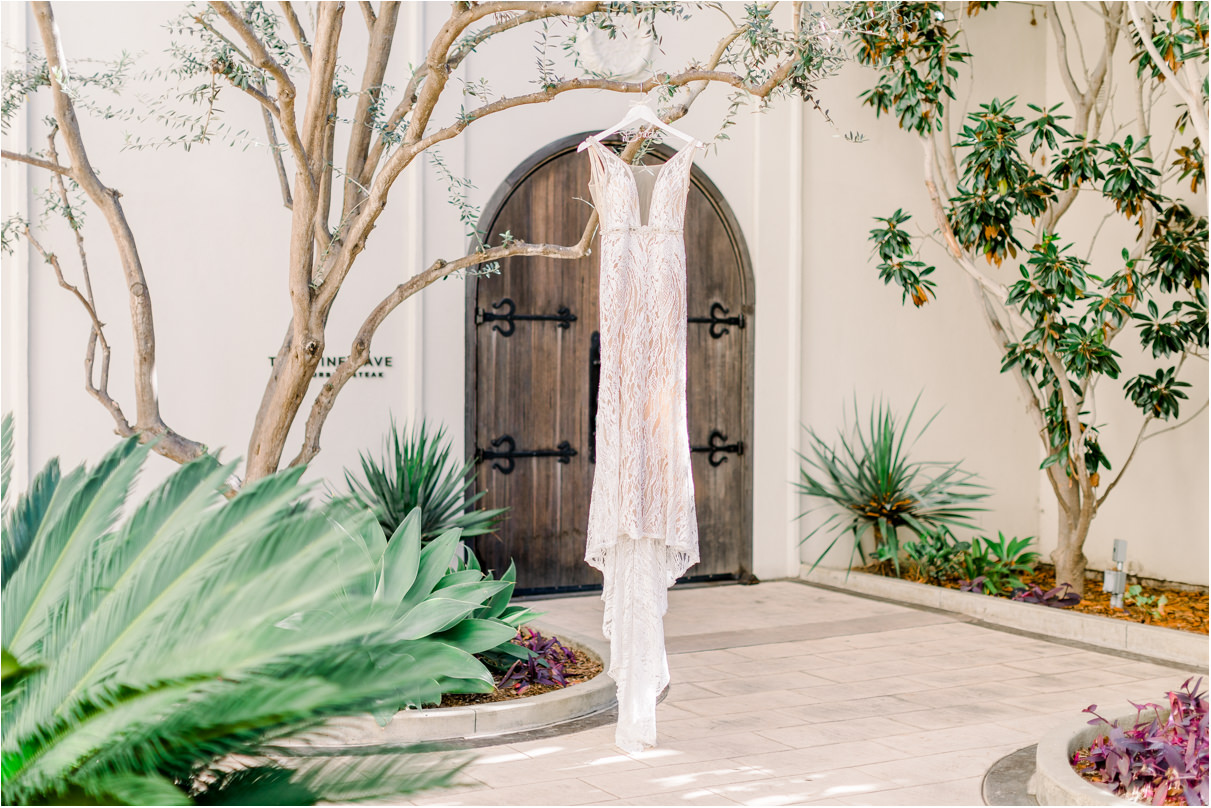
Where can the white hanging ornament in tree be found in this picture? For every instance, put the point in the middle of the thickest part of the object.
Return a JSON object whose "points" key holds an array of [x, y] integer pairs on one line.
{"points": [[626, 56]]}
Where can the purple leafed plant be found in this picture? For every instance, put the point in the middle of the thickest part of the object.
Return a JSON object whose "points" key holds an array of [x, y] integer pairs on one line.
{"points": [[1060, 597], [544, 665], [1158, 760]]}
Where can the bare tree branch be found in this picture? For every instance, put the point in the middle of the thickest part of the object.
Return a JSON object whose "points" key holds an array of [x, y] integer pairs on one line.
{"points": [[319, 118], [304, 344], [286, 89], [1061, 47], [354, 234], [1140, 437], [35, 161], [278, 164], [319, 91], [1191, 95], [382, 34], [149, 424], [1087, 113], [296, 28], [957, 253], [367, 13], [533, 12], [1178, 425], [359, 351], [97, 332]]}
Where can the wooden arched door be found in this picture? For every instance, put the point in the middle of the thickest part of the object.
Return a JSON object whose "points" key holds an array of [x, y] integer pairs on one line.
{"points": [[532, 370]]}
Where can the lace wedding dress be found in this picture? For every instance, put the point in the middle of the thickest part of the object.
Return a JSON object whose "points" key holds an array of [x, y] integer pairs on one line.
{"points": [[643, 533]]}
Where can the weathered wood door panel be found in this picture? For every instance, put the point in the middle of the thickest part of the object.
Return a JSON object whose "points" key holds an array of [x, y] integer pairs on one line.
{"points": [[530, 354]]}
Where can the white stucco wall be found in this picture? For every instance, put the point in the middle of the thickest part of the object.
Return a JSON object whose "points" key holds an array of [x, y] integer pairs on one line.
{"points": [[212, 232]]}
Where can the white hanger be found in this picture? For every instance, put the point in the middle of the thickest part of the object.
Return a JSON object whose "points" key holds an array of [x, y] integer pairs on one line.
{"points": [[640, 112]]}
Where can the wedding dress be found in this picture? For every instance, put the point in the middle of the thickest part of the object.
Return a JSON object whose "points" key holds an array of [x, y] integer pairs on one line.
{"points": [[643, 532]]}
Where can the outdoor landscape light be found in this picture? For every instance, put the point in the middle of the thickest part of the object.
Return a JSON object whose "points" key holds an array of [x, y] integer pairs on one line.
{"points": [[1115, 581]]}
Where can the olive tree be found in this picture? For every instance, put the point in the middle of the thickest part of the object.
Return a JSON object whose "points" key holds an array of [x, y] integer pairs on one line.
{"points": [[288, 63], [999, 186]]}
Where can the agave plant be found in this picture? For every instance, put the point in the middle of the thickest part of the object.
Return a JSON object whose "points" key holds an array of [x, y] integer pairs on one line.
{"points": [[143, 656], [416, 471], [872, 485]]}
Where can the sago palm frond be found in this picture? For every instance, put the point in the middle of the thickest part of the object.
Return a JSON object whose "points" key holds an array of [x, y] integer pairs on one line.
{"points": [[6, 459], [143, 653]]}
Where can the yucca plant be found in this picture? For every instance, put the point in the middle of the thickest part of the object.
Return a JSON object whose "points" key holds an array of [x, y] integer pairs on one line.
{"points": [[416, 471], [871, 484], [161, 658]]}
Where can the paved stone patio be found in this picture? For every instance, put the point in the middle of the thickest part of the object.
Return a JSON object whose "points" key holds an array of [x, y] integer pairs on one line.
{"points": [[786, 693]]}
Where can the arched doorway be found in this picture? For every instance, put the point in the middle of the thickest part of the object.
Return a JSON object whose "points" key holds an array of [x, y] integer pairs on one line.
{"points": [[531, 376]]}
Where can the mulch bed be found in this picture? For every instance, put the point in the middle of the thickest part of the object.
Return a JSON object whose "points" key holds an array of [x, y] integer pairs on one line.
{"points": [[582, 670], [1186, 609]]}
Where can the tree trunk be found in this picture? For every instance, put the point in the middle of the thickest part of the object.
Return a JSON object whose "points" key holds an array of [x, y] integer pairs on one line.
{"points": [[283, 398], [1069, 556]]}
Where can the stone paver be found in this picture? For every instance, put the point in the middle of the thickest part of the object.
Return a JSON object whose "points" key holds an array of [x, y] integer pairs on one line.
{"points": [[789, 694]]}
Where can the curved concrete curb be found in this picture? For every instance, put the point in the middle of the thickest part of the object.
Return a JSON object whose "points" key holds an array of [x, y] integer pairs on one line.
{"points": [[1055, 782], [496, 718], [1164, 644]]}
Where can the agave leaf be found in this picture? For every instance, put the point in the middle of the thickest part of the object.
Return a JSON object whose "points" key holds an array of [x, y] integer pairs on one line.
{"points": [[458, 577], [475, 636], [477, 592], [435, 561], [385, 709], [401, 561], [496, 606], [435, 614], [518, 615]]}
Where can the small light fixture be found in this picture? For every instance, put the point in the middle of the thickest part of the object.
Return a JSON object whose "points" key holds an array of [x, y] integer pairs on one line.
{"points": [[1115, 581]]}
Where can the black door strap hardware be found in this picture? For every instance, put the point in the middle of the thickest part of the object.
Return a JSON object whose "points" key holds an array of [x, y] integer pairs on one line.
{"points": [[563, 316], [717, 447], [719, 321], [563, 452]]}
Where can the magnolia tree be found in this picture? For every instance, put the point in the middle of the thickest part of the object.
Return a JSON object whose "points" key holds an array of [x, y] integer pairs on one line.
{"points": [[289, 62], [1000, 185]]}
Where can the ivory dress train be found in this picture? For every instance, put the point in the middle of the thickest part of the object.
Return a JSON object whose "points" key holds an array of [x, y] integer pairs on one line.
{"points": [[643, 533]]}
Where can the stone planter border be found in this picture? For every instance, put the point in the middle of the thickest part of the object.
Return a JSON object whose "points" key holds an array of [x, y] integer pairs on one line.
{"points": [[494, 718], [1055, 782], [1162, 644]]}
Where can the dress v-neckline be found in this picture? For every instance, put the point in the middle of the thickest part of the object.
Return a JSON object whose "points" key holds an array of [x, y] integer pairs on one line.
{"points": [[630, 172]]}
